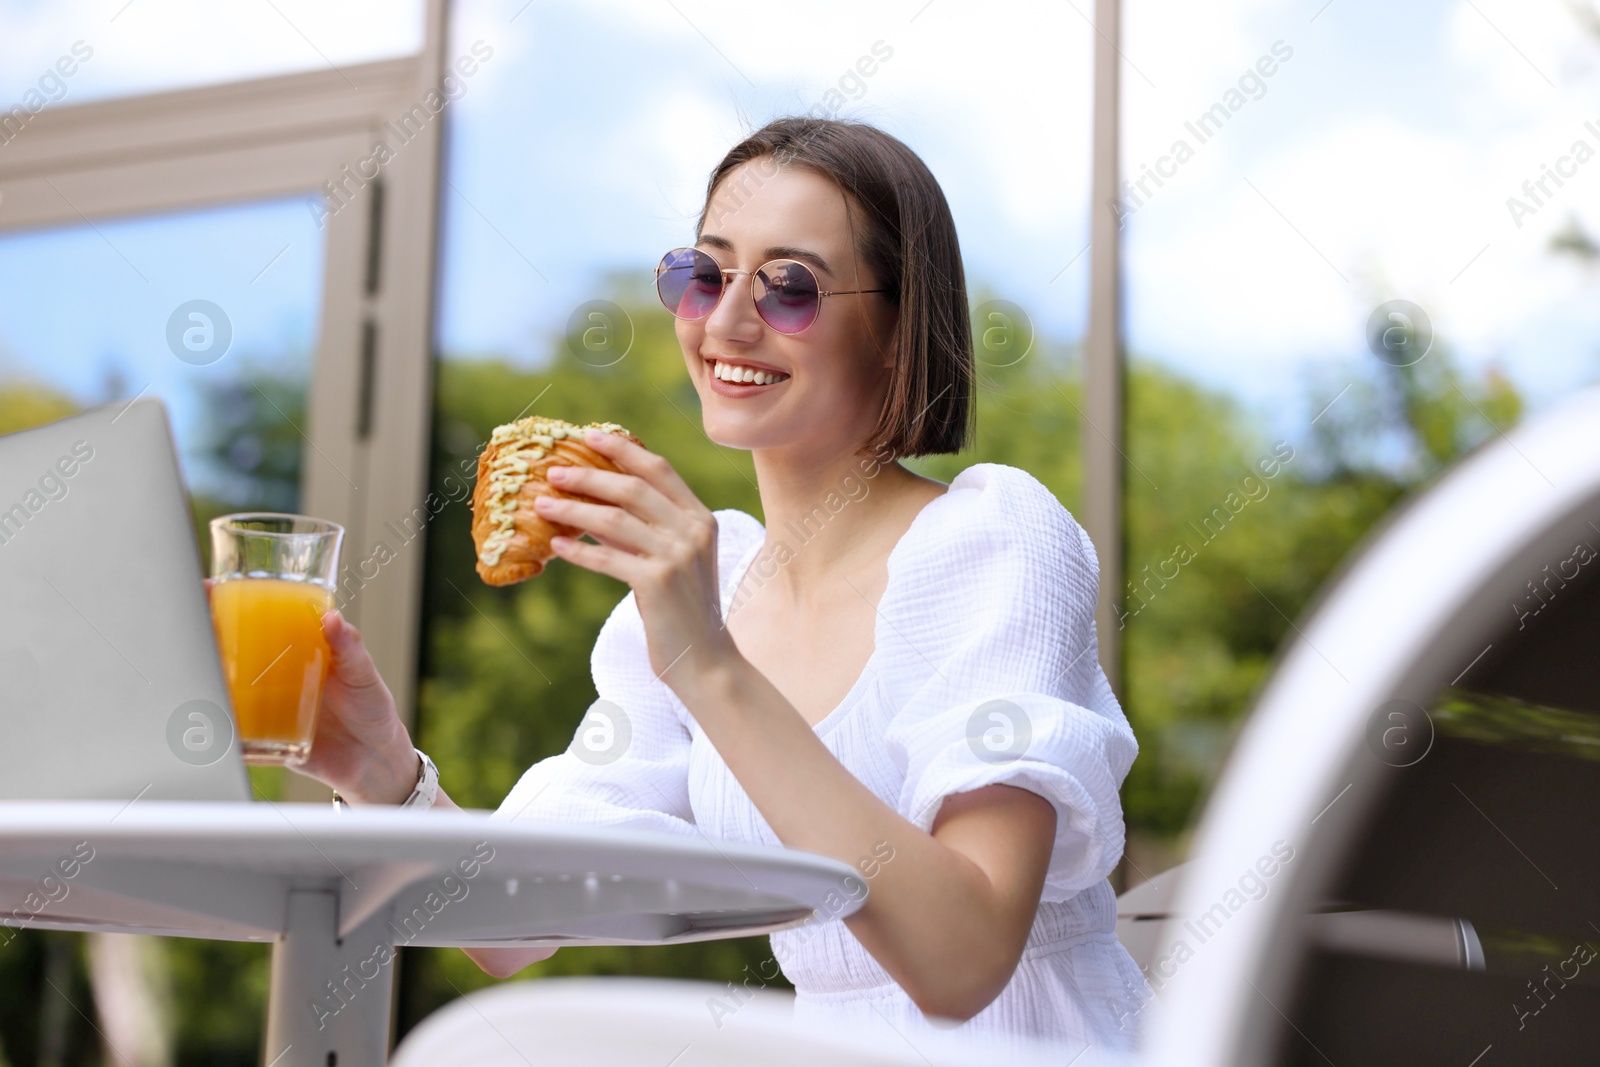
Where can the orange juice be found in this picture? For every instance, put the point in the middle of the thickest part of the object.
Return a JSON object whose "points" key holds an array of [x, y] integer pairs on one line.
{"points": [[275, 658]]}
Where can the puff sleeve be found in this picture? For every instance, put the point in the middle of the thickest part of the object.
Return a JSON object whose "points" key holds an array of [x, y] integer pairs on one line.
{"points": [[628, 761], [996, 677]]}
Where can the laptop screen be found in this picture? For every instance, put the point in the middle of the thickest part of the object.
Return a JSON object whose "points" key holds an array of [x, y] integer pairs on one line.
{"points": [[110, 685]]}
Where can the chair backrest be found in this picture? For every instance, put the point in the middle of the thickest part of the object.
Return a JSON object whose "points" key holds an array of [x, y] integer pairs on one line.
{"points": [[629, 1022], [1142, 910]]}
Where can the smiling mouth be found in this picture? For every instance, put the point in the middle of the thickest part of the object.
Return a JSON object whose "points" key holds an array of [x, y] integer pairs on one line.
{"points": [[738, 374]]}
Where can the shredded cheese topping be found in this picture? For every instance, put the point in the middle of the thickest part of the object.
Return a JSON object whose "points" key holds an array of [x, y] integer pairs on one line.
{"points": [[521, 443]]}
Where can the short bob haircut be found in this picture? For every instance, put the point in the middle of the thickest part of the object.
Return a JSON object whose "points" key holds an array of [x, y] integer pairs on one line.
{"points": [[908, 241]]}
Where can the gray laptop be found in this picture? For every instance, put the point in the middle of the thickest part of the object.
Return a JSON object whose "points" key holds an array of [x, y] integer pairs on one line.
{"points": [[110, 686]]}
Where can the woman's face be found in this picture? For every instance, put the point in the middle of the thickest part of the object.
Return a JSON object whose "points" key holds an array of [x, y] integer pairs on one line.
{"points": [[837, 369]]}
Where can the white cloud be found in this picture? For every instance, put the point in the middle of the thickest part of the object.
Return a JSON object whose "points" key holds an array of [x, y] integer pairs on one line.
{"points": [[660, 156], [1400, 195], [1181, 56], [1525, 53], [152, 45]]}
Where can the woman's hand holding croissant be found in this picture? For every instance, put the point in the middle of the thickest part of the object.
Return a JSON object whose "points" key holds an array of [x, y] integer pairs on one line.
{"points": [[655, 535]]}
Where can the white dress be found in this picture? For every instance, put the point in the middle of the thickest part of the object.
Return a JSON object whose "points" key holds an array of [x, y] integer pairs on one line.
{"points": [[984, 670]]}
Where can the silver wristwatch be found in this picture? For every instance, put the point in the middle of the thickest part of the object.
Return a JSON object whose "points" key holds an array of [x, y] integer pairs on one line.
{"points": [[427, 790], [422, 797]]}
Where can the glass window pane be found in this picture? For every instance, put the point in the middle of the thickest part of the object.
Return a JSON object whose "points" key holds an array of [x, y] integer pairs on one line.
{"points": [[73, 53], [215, 312], [1290, 171]]}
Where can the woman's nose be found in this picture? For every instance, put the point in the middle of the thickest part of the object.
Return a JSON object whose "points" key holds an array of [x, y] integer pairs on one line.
{"points": [[734, 318]]}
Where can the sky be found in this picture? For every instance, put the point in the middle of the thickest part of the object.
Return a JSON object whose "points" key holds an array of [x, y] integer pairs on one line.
{"points": [[1373, 163]]}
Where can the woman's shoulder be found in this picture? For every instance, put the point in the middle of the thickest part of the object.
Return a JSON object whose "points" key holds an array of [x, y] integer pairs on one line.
{"points": [[993, 511], [996, 583]]}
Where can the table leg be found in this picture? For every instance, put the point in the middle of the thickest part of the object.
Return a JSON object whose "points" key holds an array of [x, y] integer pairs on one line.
{"points": [[330, 1001]]}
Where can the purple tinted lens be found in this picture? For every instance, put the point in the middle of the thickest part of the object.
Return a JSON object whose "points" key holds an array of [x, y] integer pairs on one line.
{"points": [[786, 296], [689, 283]]}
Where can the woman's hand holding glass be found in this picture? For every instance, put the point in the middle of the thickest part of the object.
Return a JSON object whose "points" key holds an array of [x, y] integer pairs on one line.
{"points": [[360, 748]]}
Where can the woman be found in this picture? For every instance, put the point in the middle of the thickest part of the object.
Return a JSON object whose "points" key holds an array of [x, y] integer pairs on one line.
{"points": [[893, 671]]}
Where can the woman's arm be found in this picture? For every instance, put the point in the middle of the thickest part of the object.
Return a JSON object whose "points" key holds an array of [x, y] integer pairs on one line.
{"points": [[948, 918], [976, 879]]}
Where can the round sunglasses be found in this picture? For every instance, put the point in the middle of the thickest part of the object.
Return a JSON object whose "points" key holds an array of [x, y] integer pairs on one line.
{"points": [[785, 292]]}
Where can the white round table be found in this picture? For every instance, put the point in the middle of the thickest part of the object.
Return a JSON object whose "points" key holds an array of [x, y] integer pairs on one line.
{"points": [[337, 891]]}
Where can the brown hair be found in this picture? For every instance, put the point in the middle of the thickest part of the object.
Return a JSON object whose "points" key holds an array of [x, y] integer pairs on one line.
{"points": [[908, 240]]}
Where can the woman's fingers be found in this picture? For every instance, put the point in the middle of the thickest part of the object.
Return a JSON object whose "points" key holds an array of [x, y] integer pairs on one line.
{"points": [[620, 528], [352, 663], [624, 490], [604, 540], [636, 459], [614, 562]]}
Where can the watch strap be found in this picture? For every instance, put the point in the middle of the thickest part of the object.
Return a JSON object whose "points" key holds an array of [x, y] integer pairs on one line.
{"points": [[423, 796], [427, 791]]}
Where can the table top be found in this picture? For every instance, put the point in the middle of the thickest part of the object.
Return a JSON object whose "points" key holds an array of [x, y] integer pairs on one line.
{"points": [[222, 870]]}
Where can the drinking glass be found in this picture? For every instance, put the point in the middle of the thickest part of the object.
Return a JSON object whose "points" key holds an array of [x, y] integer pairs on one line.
{"points": [[273, 577]]}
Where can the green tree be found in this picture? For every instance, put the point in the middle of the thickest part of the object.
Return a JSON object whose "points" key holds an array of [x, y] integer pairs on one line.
{"points": [[25, 404]]}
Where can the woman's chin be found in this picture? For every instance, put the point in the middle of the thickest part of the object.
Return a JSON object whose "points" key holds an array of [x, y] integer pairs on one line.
{"points": [[738, 433], [744, 442]]}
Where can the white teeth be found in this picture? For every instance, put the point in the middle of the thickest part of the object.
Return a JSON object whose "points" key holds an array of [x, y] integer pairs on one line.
{"points": [[730, 373]]}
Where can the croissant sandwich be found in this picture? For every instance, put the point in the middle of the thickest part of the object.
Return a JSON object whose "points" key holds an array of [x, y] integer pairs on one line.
{"points": [[512, 538]]}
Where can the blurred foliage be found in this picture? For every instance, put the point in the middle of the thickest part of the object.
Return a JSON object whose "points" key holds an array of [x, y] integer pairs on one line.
{"points": [[1508, 722], [1573, 240], [44, 981], [249, 445], [26, 404], [1198, 644], [219, 994], [505, 672], [252, 436]]}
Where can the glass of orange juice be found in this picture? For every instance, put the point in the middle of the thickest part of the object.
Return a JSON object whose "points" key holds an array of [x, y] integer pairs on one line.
{"points": [[272, 579]]}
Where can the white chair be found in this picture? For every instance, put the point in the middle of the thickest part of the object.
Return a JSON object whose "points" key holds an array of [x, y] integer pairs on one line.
{"points": [[1142, 910], [650, 1022]]}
